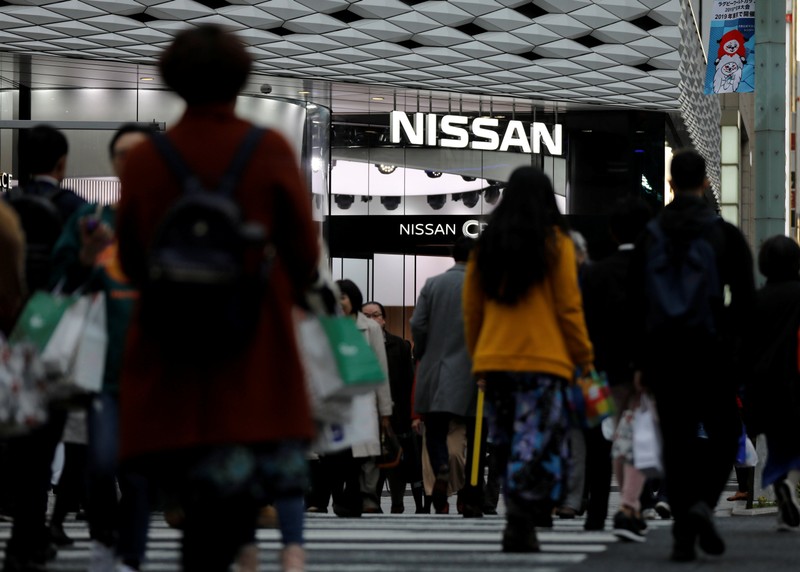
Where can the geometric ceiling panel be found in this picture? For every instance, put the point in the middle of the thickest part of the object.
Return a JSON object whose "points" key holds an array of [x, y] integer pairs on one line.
{"points": [[251, 16], [477, 49], [625, 52], [626, 9], [536, 34], [652, 47], [668, 14], [379, 8], [314, 24], [620, 32], [381, 30], [564, 25], [478, 7], [622, 54], [594, 16], [76, 10], [561, 6], [33, 14], [594, 61], [445, 13], [442, 37], [442, 55], [179, 10], [416, 22], [561, 49], [500, 21], [504, 42]]}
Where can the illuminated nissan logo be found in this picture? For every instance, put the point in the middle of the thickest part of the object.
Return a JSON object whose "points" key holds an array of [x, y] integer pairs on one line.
{"points": [[473, 228]]}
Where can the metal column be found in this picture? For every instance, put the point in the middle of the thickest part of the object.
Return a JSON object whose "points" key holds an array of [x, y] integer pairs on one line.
{"points": [[770, 120]]}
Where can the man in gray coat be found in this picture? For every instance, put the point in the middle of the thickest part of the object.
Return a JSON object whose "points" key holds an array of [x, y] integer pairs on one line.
{"points": [[445, 388]]}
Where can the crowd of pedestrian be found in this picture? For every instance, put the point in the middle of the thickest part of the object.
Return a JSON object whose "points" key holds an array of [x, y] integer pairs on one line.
{"points": [[206, 414]]}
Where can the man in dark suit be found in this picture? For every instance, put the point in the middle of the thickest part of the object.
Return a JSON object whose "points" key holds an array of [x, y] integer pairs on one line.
{"points": [[42, 204], [401, 382], [47, 150]]}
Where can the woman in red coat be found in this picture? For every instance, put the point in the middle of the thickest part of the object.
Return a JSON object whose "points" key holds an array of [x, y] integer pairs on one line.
{"points": [[225, 434]]}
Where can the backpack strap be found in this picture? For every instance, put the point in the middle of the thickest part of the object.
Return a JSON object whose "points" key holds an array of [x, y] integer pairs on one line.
{"points": [[189, 181], [234, 172]]}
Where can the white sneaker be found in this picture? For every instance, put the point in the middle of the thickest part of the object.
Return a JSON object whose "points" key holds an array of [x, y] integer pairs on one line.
{"points": [[650, 514], [664, 510], [101, 558], [788, 507]]}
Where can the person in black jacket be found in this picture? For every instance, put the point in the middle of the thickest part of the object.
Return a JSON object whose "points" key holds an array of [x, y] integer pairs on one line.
{"points": [[30, 455], [42, 204], [772, 393], [401, 382], [688, 358], [605, 308]]}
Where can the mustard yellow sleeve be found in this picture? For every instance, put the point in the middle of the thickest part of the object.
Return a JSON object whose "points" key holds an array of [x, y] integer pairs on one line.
{"points": [[569, 304], [473, 300]]}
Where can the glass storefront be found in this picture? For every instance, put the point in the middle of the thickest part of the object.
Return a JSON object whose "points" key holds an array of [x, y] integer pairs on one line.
{"points": [[395, 208]]}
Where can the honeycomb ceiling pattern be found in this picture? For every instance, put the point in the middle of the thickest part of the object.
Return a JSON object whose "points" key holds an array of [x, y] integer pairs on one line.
{"points": [[609, 52]]}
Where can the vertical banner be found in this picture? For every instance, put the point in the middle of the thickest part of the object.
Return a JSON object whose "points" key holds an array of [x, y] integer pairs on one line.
{"points": [[731, 47]]}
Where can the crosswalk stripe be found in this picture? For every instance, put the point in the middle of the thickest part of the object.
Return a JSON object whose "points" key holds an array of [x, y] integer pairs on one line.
{"points": [[389, 543]]}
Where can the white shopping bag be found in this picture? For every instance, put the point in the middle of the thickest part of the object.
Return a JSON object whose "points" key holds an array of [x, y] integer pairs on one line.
{"points": [[322, 373], [647, 439], [360, 428], [89, 364], [60, 350]]}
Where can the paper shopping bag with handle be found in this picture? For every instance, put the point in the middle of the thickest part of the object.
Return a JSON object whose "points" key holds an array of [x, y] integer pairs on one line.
{"points": [[40, 317], [358, 366]]}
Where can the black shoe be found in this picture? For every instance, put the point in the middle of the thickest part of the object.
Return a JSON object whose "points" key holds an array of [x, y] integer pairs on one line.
{"points": [[566, 512], [683, 553], [708, 537], [788, 510], [59, 537], [685, 537], [345, 512], [439, 493], [543, 520], [628, 528], [519, 536], [398, 509], [470, 511], [489, 510]]}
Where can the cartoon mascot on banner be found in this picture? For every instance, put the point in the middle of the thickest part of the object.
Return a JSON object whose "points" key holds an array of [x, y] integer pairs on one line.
{"points": [[731, 57]]}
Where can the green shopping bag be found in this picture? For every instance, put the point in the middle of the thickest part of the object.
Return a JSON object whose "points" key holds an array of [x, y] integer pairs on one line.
{"points": [[40, 317], [359, 369]]}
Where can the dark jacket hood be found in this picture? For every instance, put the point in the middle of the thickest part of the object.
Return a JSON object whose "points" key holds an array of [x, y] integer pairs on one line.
{"points": [[686, 216]]}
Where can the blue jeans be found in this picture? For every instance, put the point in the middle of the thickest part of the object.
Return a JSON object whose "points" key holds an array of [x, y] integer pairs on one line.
{"points": [[123, 523]]}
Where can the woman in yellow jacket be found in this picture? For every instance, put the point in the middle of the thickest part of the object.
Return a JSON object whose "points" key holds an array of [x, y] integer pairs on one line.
{"points": [[525, 331]]}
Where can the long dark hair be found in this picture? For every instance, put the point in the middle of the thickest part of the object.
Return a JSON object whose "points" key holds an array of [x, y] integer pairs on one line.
{"points": [[515, 250]]}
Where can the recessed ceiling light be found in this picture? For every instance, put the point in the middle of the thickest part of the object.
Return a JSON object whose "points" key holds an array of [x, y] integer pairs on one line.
{"points": [[499, 116], [146, 78], [303, 92], [377, 99]]}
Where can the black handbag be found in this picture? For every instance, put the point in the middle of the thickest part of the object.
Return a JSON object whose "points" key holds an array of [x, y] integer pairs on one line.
{"points": [[391, 451]]}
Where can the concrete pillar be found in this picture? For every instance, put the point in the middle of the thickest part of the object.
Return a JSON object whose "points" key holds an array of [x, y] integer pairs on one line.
{"points": [[770, 120]]}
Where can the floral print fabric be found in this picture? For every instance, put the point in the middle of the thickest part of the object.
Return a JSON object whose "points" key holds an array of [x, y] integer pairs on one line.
{"points": [[528, 424]]}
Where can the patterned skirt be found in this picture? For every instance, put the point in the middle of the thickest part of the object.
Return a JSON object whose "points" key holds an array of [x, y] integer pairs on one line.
{"points": [[528, 425]]}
